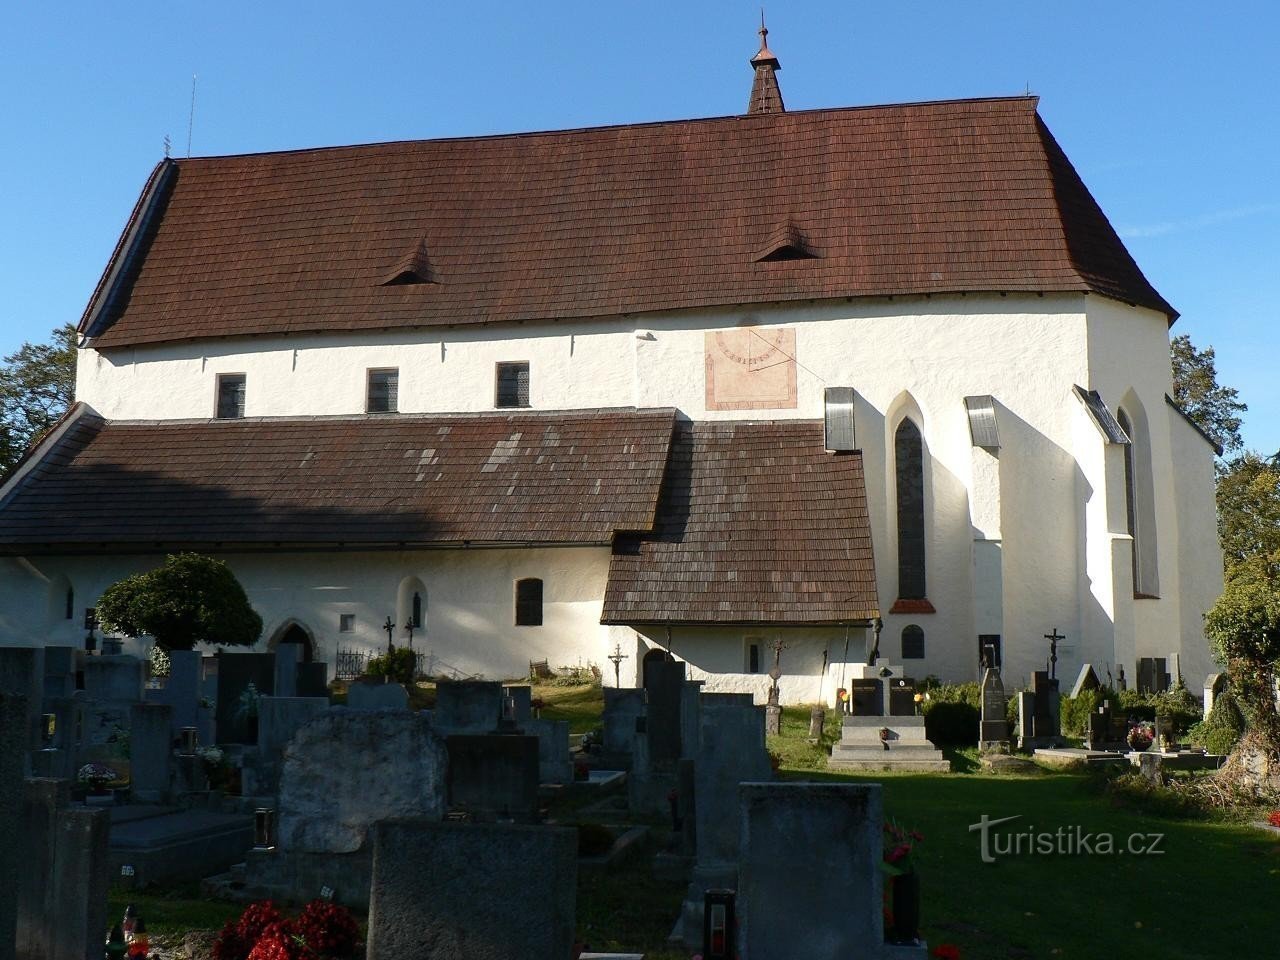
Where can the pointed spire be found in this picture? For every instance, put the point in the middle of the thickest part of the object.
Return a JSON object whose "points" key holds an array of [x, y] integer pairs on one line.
{"points": [[766, 97]]}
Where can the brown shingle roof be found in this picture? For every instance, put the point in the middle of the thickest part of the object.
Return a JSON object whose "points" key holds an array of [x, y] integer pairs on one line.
{"points": [[756, 524], [563, 477], [969, 195]]}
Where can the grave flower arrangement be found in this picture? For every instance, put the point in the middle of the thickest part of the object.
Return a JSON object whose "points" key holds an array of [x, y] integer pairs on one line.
{"points": [[323, 930], [1140, 736], [902, 891], [898, 847], [96, 775], [1273, 818]]}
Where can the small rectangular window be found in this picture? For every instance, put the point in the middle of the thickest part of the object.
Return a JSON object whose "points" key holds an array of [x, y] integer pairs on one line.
{"points": [[384, 391], [513, 385], [529, 602], [231, 389], [753, 656], [346, 622]]}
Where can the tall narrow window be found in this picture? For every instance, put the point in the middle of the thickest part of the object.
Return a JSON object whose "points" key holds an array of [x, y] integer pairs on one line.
{"points": [[384, 391], [231, 389], [912, 642], [71, 603], [1130, 490], [909, 460], [513, 385], [753, 656], [1139, 506], [417, 611], [529, 602]]}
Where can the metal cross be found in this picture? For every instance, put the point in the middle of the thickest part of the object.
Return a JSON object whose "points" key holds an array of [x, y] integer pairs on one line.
{"points": [[1053, 639], [408, 628], [391, 630], [617, 657]]}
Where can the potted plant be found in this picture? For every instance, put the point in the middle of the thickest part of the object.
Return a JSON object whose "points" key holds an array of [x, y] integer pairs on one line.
{"points": [[96, 775], [247, 708], [1140, 736]]}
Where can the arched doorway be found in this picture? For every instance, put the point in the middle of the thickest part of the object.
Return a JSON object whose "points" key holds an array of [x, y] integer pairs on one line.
{"points": [[294, 632], [655, 655]]}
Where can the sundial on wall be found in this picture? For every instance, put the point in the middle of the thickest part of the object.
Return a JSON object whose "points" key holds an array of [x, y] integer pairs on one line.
{"points": [[751, 368]]}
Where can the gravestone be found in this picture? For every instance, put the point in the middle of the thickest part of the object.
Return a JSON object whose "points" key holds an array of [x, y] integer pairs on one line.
{"points": [[59, 671], [347, 769], [494, 776], [181, 689], [785, 829], [866, 697], [1087, 679], [467, 706], [313, 680], [1026, 719], [119, 678], [150, 752], [664, 693], [289, 657], [78, 892], [690, 716], [1214, 684], [43, 798], [521, 697], [554, 765], [731, 751], [13, 752], [280, 718], [902, 697], [1153, 675], [236, 671], [452, 891], [377, 696], [1046, 707], [621, 708], [22, 675], [994, 724]]}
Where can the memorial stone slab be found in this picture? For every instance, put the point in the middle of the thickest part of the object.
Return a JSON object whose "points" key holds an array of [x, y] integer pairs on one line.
{"points": [[13, 751], [664, 694], [866, 698], [621, 708], [902, 697], [521, 701], [377, 696], [785, 828], [467, 706], [42, 801], [235, 672], [150, 751], [289, 657], [22, 675], [443, 891], [313, 679], [78, 893], [119, 678], [994, 724], [494, 776], [1045, 719]]}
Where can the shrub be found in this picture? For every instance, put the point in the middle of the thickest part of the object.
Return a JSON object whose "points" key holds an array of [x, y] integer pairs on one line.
{"points": [[1075, 711], [1221, 730], [1176, 707], [952, 723], [970, 693], [399, 666]]}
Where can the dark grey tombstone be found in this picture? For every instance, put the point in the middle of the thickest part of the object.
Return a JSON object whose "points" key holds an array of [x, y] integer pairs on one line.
{"points": [[1045, 719], [467, 706], [279, 718], [621, 708], [78, 892], [13, 753], [150, 751], [235, 672], [443, 891], [181, 689], [289, 657], [22, 675], [554, 764], [522, 701], [690, 714], [377, 696], [733, 751], [1152, 675], [687, 805], [1026, 718], [866, 697], [494, 776], [313, 679], [784, 827], [995, 724], [119, 679], [664, 693], [59, 671], [42, 801], [1098, 734], [902, 697]]}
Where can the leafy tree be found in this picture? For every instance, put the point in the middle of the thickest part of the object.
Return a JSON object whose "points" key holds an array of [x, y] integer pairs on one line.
{"points": [[191, 598], [1216, 409], [37, 384], [1249, 508], [1244, 629]]}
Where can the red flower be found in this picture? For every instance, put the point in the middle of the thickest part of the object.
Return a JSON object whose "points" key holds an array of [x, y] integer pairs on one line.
{"points": [[1274, 818], [277, 943], [946, 951], [915, 835], [328, 929], [898, 852]]}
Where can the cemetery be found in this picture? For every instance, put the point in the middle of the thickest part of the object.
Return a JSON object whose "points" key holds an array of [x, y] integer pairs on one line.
{"points": [[553, 817]]}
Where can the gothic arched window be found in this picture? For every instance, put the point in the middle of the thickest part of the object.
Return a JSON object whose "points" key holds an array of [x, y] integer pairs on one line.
{"points": [[908, 448], [912, 642]]}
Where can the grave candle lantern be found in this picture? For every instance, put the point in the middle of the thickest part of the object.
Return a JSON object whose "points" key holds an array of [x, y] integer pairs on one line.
{"points": [[264, 829], [190, 741]]}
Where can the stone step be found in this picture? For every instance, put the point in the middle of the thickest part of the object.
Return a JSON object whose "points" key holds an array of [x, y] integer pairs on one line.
{"points": [[844, 751], [875, 723]]}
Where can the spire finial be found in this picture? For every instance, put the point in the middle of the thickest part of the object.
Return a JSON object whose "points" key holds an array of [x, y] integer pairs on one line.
{"points": [[765, 95]]}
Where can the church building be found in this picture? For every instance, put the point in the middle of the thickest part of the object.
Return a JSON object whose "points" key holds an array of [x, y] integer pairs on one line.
{"points": [[782, 383]]}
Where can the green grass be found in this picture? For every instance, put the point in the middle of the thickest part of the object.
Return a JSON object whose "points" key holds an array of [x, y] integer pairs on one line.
{"points": [[171, 913], [582, 706]]}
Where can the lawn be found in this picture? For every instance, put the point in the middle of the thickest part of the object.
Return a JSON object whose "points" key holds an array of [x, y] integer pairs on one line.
{"points": [[1202, 897]]}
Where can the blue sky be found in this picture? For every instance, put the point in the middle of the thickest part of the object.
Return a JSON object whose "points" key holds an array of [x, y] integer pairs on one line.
{"points": [[1168, 111]]}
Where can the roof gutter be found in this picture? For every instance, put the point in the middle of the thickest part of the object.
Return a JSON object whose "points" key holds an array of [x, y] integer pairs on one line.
{"points": [[117, 277]]}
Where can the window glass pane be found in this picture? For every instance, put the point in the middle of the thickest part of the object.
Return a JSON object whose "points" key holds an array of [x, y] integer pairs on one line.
{"points": [[231, 390], [912, 643], [346, 622], [909, 458], [384, 391], [513, 385], [529, 602]]}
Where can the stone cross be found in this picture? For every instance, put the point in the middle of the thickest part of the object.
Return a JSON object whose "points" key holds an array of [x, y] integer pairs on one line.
{"points": [[391, 631], [616, 658]]}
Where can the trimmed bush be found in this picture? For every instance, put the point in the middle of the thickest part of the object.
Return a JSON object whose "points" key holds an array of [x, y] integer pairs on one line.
{"points": [[951, 723], [400, 666], [1223, 728]]}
